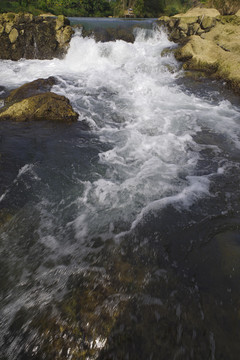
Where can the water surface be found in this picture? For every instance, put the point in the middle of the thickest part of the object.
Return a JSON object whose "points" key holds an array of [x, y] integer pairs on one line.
{"points": [[120, 233]]}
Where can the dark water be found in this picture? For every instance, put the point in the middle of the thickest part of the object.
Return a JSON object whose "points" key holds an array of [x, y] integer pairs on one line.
{"points": [[106, 23], [119, 234]]}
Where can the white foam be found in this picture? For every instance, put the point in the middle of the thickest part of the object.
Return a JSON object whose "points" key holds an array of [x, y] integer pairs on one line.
{"points": [[131, 101]]}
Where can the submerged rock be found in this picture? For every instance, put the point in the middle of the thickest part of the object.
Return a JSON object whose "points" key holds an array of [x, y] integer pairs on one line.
{"points": [[5, 216], [47, 106], [26, 36]]}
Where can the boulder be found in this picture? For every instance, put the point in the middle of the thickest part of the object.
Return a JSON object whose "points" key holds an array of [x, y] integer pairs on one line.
{"points": [[47, 106], [197, 11], [199, 54], [25, 36], [35, 87], [208, 22], [206, 56], [104, 35], [209, 43]]}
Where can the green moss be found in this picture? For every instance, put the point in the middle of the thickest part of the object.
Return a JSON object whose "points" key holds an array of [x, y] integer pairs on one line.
{"points": [[10, 16], [230, 19]]}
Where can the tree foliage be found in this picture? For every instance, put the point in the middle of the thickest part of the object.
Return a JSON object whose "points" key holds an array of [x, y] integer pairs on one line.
{"points": [[141, 8], [66, 7]]}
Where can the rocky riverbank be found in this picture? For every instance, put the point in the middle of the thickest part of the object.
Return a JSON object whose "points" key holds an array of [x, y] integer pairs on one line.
{"points": [[209, 43], [33, 37]]}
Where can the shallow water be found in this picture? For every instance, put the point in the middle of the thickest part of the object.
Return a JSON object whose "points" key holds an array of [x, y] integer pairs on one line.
{"points": [[120, 233]]}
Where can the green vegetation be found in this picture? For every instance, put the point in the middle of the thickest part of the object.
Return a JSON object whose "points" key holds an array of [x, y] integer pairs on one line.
{"points": [[151, 8], [226, 7], [118, 8], [57, 7]]}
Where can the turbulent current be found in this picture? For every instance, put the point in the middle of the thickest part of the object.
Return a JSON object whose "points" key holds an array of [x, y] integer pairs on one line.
{"points": [[119, 235]]}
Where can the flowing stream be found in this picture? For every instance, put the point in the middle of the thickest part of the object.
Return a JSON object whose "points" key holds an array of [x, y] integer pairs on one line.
{"points": [[119, 234]]}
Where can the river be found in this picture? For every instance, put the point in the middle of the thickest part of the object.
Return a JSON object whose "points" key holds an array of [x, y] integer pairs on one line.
{"points": [[119, 234]]}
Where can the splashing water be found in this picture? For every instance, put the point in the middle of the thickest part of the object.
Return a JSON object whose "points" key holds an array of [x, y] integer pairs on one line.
{"points": [[146, 145]]}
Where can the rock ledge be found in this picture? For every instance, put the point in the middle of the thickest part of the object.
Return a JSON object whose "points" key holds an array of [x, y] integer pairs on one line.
{"points": [[33, 37]]}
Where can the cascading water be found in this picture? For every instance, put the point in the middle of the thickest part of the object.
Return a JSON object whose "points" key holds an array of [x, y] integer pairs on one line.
{"points": [[121, 237]]}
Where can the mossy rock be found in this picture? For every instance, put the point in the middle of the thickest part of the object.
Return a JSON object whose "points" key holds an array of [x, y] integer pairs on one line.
{"points": [[197, 11], [208, 22], [105, 35], [47, 106], [35, 87], [9, 16], [189, 20], [61, 21], [64, 35], [230, 19], [24, 36]]}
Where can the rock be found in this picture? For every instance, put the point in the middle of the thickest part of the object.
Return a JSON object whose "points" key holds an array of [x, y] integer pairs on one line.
{"points": [[165, 19], [61, 22], [13, 36], [47, 106], [47, 15], [195, 28], [208, 22], [172, 23], [24, 36], [9, 16], [199, 54], [35, 87], [104, 35], [175, 35], [64, 35], [8, 27], [1, 29], [210, 43], [197, 11], [183, 26]]}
